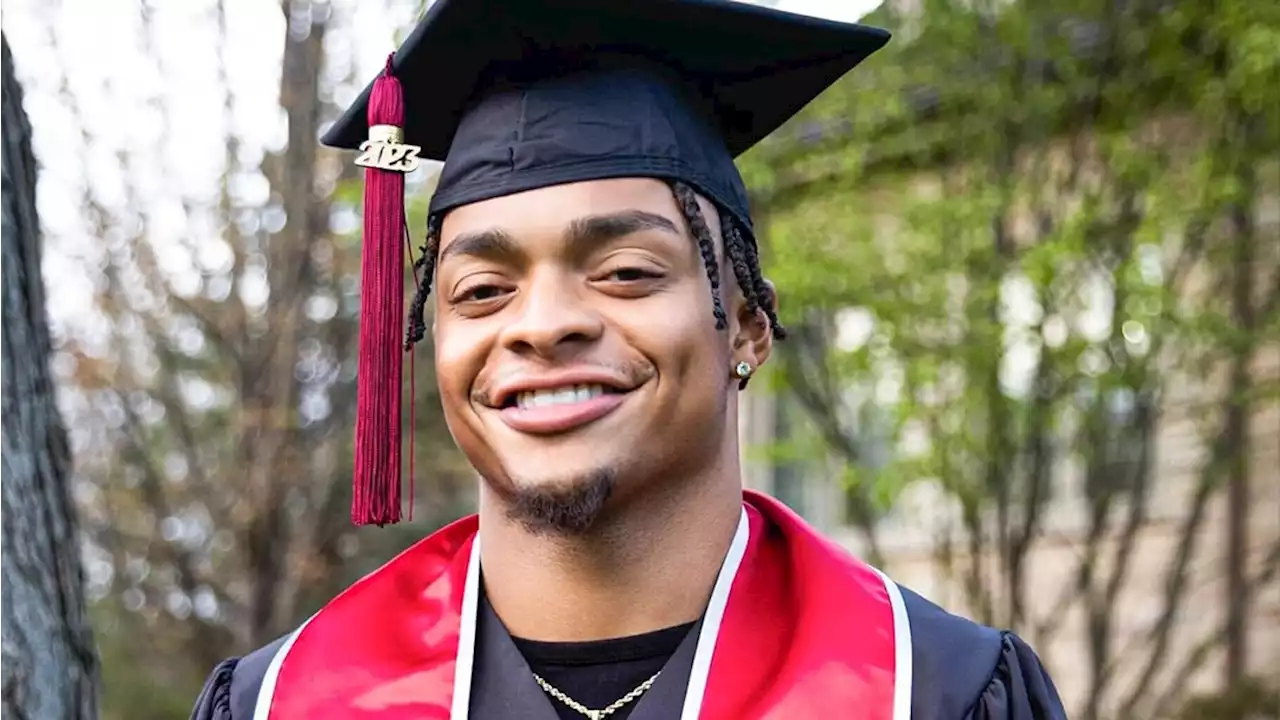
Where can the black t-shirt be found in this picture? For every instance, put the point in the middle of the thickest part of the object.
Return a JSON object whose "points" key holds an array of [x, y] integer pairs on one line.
{"points": [[600, 672]]}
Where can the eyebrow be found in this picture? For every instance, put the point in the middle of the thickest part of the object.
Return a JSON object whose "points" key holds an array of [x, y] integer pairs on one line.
{"points": [[583, 235], [596, 229], [491, 243]]}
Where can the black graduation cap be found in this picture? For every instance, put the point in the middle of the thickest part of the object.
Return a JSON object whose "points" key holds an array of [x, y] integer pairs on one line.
{"points": [[517, 94], [514, 95]]}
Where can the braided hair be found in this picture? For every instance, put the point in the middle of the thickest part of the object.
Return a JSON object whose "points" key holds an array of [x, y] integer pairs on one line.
{"points": [[740, 253], [424, 267]]}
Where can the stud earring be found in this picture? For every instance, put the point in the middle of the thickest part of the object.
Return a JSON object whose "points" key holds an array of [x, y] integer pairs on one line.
{"points": [[742, 370]]}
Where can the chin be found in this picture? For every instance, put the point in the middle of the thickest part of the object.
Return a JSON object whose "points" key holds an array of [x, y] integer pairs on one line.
{"points": [[562, 504], [548, 476]]}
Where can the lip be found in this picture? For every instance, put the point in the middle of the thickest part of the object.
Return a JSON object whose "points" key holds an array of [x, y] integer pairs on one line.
{"points": [[552, 419], [503, 392]]}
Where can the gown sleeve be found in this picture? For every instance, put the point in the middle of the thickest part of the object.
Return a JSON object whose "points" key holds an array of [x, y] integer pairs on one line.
{"points": [[1019, 688], [962, 670], [214, 701], [231, 690]]}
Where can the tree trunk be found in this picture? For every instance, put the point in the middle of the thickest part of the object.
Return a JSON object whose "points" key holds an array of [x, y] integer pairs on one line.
{"points": [[1239, 409], [50, 664], [277, 446]]}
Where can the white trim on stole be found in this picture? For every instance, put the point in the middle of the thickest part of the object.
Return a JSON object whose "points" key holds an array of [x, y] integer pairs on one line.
{"points": [[701, 656], [467, 636], [466, 642], [267, 691], [711, 621], [901, 650]]}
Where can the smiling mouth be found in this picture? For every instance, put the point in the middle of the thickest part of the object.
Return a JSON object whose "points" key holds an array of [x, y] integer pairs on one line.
{"points": [[558, 397], [552, 411]]}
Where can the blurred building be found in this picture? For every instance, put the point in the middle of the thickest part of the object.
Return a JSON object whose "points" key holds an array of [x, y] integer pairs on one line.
{"points": [[912, 534]]}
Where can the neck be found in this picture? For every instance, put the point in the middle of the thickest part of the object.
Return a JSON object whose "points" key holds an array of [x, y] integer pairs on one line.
{"points": [[650, 564]]}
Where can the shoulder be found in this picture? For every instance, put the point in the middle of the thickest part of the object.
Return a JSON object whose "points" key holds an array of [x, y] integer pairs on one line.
{"points": [[962, 669], [231, 690]]}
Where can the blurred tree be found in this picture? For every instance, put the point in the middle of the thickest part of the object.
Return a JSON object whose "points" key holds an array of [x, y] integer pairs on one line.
{"points": [[1023, 239], [50, 664], [214, 398], [1246, 700]]}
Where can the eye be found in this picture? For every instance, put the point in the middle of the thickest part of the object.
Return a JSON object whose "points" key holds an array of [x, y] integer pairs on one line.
{"points": [[631, 274], [479, 293]]}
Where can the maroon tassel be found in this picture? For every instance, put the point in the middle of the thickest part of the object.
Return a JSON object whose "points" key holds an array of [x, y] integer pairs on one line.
{"points": [[376, 493]]}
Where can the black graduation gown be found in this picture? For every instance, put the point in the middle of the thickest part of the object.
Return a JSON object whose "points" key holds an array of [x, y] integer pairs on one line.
{"points": [[1000, 677]]}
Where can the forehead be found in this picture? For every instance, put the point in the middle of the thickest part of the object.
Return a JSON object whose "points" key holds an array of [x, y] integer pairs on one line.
{"points": [[552, 209]]}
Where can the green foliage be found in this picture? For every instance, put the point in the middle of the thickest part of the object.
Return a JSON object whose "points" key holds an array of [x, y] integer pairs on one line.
{"points": [[134, 685], [1007, 244], [1031, 211], [1245, 701]]}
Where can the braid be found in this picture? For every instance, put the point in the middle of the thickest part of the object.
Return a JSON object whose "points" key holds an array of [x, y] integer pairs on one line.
{"points": [[737, 256], [746, 268], [427, 264], [706, 245]]}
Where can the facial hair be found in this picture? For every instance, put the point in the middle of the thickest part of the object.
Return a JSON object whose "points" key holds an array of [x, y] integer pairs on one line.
{"points": [[563, 509]]}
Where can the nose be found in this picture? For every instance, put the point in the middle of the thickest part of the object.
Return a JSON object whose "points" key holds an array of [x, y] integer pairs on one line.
{"points": [[554, 318]]}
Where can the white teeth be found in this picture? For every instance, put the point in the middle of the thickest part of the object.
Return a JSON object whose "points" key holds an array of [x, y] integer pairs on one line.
{"points": [[558, 396]]}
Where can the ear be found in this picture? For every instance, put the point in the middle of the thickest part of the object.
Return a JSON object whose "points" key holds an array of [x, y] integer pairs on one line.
{"points": [[753, 333]]}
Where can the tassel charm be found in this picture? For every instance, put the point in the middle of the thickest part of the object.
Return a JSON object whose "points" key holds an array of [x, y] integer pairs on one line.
{"points": [[377, 475], [385, 150]]}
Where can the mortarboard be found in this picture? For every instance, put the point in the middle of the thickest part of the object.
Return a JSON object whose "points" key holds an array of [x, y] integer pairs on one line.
{"points": [[513, 95]]}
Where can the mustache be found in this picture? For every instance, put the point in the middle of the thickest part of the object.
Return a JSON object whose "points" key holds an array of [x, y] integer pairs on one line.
{"points": [[628, 375]]}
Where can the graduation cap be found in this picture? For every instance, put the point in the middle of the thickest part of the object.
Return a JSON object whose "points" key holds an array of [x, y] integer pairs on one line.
{"points": [[514, 95]]}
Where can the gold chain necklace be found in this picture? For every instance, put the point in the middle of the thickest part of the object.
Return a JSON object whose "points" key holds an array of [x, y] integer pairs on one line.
{"points": [[596, 714]]}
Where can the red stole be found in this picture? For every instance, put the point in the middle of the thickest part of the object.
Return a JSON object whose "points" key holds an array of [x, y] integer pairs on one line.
{"points": [[804, 630]]}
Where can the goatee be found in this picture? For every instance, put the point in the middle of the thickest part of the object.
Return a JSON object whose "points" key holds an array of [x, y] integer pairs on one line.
{"points": [[564, 509]]}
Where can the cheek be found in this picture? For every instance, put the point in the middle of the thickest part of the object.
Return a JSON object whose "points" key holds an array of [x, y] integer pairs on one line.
{"points": [[686, 347], [686, 419], [459, 357], [460, 354]]}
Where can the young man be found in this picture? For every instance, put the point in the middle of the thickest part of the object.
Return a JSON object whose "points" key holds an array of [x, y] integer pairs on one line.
{"points": [[598, 307]]}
